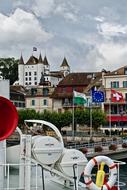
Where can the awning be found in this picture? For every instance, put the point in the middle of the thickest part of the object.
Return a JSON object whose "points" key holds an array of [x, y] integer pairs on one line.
{"points": [[117, 118]]}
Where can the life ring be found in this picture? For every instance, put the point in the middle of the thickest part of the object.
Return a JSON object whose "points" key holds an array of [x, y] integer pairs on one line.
{"points": [[112, 169]]}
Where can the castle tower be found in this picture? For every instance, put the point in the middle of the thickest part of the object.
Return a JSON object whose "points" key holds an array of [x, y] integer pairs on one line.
{"points": [[46, 66], [21, 71], [40, 68]]}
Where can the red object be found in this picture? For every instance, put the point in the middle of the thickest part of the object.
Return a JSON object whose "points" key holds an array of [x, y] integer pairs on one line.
{"points": [[114, 188], [105, 183], [8, 118], [116, 96], [117, 118]]}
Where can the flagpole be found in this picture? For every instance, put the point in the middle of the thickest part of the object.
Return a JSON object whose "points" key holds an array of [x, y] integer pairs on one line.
{"points": [[90, 119], [73, 119], [110, 125], [90, 107]]}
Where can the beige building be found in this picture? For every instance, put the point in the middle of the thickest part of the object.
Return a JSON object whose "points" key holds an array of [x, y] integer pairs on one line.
{"points": [[38, 98]]}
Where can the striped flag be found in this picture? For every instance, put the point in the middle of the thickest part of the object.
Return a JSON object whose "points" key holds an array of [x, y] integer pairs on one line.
{"points": [[79, 98]]}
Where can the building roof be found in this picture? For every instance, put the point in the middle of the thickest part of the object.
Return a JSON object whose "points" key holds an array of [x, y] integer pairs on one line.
{"points": [[21, 61], [32, 61], [119, 71], [45, 61], [18, 89], [95, 81], [75, 80], [64, 63], [58, 74], [40, 59], [78, 79]]}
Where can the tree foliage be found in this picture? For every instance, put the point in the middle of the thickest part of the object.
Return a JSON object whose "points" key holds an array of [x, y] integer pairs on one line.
{"points": [[65, 119], [9, 69], [99, 118]]}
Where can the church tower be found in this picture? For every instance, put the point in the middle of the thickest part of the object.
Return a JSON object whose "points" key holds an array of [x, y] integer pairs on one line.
{"points": [[65, 68]]}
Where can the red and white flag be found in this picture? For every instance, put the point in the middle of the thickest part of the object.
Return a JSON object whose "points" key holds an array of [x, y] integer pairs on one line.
{"points": [[116, 96]]}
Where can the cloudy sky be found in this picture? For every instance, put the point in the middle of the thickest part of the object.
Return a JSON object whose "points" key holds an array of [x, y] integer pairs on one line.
{"points": [[91, 34]]}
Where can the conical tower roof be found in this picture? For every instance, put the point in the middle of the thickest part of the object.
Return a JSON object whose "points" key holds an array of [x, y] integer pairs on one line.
{"points": [[21, 61], [64, 63], [45, 61], [40, 59]]}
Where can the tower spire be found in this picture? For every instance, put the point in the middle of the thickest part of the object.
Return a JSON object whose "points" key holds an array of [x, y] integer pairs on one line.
{"points": [[40, 59], [21, 61]]}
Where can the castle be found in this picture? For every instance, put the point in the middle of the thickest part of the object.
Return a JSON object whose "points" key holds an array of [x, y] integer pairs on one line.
{"points": [[36, 71]]}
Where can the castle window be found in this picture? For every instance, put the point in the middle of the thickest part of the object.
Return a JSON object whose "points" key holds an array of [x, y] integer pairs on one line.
{"points": [[26, 73], [35, 78], [29, 78], [35, 73], [29, 73], [26, 79], [35, 83]]}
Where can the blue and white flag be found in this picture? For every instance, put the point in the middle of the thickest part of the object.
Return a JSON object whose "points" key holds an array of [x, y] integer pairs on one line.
{"points": [[34, 49], [97, 96]]}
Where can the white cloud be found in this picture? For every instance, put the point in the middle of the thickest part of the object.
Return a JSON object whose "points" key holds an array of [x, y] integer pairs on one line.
{"points": [[111, 29], [66, 10], [113, 53], [18, 3], [71, 17], [99, 19], [21, 27], [43, 8], [108, 56]]}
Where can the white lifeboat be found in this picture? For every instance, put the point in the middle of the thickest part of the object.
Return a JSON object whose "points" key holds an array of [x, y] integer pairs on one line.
{"points": [[72, 158], [46, 149]]}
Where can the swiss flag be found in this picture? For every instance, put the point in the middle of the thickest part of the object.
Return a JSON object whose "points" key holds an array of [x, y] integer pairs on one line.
{"points": [[116, 96]]}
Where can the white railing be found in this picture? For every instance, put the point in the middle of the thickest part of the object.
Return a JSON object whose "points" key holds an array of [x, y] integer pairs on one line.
{"points": [[92, 145], [12, 177]]}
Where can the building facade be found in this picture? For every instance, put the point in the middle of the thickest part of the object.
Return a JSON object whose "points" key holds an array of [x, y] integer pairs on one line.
{"points": [[38, 98], [115, 105], [17, 96], [63, 93]]}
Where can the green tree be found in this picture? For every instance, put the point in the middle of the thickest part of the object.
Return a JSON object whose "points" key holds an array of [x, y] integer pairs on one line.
{"points": [[83, 117], [9, 69], [27, 114], [98, 118], [65, 119], [58, 119]]}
